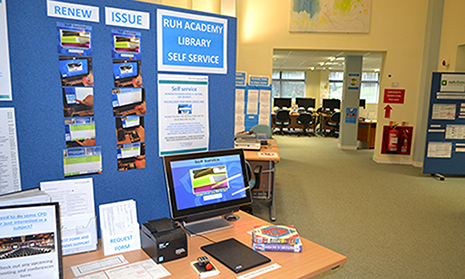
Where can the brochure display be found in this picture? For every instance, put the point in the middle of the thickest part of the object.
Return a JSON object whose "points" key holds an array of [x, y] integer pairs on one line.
{"points": [[119, 227], [77, 212], [30, 241], [445, 137]]}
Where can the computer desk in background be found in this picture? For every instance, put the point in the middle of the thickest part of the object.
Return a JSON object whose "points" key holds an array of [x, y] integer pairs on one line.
{"points": [[293, 124], [313, 260], [267, 157]]}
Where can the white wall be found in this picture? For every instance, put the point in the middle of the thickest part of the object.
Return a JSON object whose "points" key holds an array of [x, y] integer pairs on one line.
{"points": [[264, 25]]}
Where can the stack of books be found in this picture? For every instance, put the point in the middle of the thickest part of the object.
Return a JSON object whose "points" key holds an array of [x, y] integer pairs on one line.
{"points": [[280, 238]]}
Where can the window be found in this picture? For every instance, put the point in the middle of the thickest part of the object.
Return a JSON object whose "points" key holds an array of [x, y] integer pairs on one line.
{"points": [[369, 88], [287, 84], [336, 80]]}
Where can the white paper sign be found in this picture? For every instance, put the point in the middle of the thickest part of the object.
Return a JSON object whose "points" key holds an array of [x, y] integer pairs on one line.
{"points": [[183, 114], [119, 227], [9, 163], [127, 18], [72, 11]]}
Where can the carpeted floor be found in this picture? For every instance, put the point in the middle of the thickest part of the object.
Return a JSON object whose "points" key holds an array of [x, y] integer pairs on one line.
{"points": [[391, 221]]}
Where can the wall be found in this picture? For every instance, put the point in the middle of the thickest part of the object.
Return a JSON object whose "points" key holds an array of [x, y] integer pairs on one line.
{"points": [[453, 36], [263, 25]]}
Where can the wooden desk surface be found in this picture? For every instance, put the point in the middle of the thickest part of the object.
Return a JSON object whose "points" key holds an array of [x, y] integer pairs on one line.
{"points": [[313, 260], [272, 147]]}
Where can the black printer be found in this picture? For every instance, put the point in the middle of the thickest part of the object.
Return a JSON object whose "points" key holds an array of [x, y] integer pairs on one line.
{"points": [[163, 240]]}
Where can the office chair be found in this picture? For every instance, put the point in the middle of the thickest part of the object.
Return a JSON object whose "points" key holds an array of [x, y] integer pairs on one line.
{"points": [[262, 129], [305, 119], [334, 123], [282, 119], [254, 180]]}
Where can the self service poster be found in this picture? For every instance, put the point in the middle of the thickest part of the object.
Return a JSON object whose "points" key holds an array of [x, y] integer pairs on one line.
{"points": [[191, 43], [183, 113]]}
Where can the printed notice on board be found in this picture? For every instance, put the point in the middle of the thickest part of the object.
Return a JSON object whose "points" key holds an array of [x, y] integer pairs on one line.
{"points": [[5, 81], [443, 112], [183, 113], [9, 162], [439, 149]]}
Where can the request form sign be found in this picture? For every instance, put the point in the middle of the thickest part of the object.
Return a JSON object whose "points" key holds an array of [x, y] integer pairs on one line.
{"points": [[191, 43], [183, 113]]}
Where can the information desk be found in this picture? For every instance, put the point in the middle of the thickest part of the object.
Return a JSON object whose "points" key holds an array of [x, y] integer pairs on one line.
{"points": [[267, 157], [367, 132], [313, 260]]}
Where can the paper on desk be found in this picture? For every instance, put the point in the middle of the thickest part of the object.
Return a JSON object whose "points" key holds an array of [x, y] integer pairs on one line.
{"points": [[99, 265], [99, 275], [77, 213], [141, 270]]}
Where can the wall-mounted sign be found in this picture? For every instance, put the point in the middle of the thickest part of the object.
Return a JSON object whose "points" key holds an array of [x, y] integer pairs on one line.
{"points": [[452, 82], [259, 81], [241, 78], [127, 18], [394, 96], [353, 81], [72, 11], [191, 43]]}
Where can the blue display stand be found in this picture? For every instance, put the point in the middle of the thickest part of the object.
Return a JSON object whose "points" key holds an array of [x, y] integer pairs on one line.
{"points": [[38, 102], [445, 138]]}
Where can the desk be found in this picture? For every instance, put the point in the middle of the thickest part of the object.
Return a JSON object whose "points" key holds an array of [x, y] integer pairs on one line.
{"points": [[367, 132], [313, 260], [267, 157]]}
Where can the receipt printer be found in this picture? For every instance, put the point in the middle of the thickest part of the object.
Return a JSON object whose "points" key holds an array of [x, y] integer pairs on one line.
{"points": [[163, 240]]}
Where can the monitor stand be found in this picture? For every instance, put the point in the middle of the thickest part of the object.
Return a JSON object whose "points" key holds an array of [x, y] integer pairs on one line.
{"points": [[206, 225]]}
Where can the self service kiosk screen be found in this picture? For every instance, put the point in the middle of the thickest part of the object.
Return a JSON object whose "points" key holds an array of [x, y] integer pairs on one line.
{"points": [[206, 181]]}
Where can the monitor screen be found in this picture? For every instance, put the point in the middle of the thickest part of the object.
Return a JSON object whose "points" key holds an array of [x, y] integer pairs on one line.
{"points": [[362, 103], [128, 150], [126, 96], [331, 104], [76, 93], [206, 183], [126, 44], [305, 102], [282, 102], [73, 67], [75, 39], [124, 70], [130, 121], [79, 128]]}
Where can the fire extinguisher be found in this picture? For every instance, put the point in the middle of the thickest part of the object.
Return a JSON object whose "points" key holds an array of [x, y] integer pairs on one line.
{"points": [[404, 142], [391, 138]]}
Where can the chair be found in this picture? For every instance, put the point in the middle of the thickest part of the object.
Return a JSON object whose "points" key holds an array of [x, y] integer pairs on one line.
{"points": [[333, 123], [282, 119], [254, 180], [262, 129], [305, 119]]}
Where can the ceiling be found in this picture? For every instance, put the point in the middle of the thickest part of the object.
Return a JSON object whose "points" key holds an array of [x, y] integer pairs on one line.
{"points": [[303, 60]]}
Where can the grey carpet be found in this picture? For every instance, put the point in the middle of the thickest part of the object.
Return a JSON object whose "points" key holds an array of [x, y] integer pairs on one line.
{"points": [[391, 221]]}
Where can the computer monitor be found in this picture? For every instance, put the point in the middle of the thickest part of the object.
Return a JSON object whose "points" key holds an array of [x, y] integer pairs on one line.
{"points": [[203, 186], [73, 67], [130, 121], [125, 70], [282, 102], [305, 103], [362, 103], [331, 104]]}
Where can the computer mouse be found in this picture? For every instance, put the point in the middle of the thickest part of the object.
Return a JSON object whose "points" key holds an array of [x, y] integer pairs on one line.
{"points": [[231, 217]]}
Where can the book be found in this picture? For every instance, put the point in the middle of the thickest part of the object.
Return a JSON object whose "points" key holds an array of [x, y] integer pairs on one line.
{"points": [[297, 248], [275, 234]]}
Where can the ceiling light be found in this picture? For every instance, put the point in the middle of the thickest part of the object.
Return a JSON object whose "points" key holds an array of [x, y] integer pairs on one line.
{"points": [[332, 59]]}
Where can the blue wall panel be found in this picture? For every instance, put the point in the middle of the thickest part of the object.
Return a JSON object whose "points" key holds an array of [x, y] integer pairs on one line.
{"points": [[37, 99]]}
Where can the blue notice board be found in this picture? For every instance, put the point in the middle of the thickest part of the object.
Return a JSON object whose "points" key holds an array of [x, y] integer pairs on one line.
{"points": [[445, 137]]}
